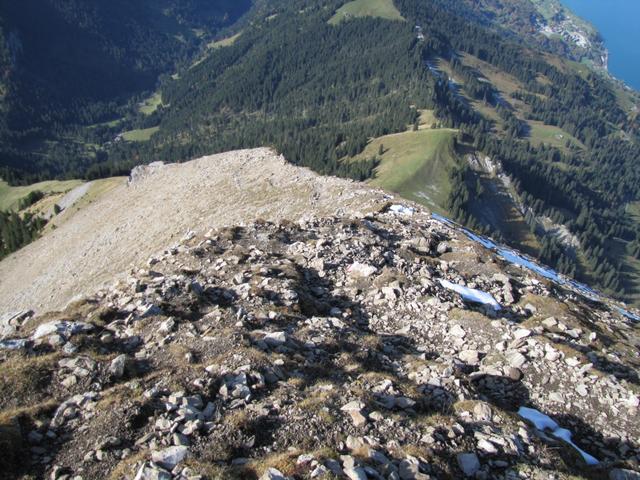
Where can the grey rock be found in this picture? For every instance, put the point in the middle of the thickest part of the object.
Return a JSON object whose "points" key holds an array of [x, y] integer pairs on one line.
{"points": [[404, 402], [118, 365], [468, 463], [65, 329], [148, 472], [170, 457], [622, 474], [355, 473], [516, 359], [457, 331], [472, 357], [13, 344], [334, 466], [273, 474], [409, 469], [482, 412], [487, 447], [522, 333], [443, 248], [275, 339]]}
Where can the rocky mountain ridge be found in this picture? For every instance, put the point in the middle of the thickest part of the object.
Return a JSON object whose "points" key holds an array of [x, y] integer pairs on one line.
{"points": [[122, 228], [380, 343]]}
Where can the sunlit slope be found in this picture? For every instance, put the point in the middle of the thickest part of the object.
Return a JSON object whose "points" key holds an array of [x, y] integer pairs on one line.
{"points": [[367, 8], [10, 196], [415, 164]]}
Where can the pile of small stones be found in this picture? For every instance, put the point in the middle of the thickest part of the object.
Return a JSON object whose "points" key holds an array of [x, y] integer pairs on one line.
{"points": [[330, 343]]}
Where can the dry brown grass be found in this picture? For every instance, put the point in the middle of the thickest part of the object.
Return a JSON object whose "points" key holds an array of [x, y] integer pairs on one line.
{"points": [[388, 276], [125, 469], [33, 411], [434, 420], [465, 406], [371, 342], [545, 307], [239, 419], [23, 380], [212, 471], [285, 462], [317, 400], [76, 311], [117, 394]]}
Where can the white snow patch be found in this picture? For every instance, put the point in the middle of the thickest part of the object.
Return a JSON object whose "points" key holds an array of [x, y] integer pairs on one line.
{"points": [[472, 295], [522, 260], [402, 210], [544, 422]]}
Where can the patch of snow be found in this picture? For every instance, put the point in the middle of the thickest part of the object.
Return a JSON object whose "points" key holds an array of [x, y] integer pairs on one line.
{"points": [[545, 423], [402, 210], [629, 315], [442, 219], [485, 242], [472, 295], [521, 260]]}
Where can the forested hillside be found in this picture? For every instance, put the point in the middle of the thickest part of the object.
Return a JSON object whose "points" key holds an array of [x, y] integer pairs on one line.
{"points": [[318, 82], [74, 62]]}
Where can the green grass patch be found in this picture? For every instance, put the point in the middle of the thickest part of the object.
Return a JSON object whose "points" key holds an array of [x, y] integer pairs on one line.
{"points": [[367, 8], [550, 135], [151, 104], [502, 81], [215, 45], [142, 135], [110, 124], [415, 164], [225, 42], [633, 209], [11, 196]]}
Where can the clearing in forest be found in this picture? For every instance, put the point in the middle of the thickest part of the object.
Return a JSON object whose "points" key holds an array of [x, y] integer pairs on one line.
{"points": [[367, 8]]}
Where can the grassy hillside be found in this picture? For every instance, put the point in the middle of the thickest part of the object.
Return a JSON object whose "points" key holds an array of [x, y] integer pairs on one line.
{"points": [[11, 196], [367, 8], [506, 85], [151, 104], [415, 164], [142, 135], [549, 135], [96, 190], [225, 42]]}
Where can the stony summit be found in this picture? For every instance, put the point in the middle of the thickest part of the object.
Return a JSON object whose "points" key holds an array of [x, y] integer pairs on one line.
{"points": [[323, 348]]}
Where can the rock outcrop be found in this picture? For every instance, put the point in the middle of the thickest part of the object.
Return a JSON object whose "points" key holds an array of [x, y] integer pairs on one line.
{"points": [[331, 346], [162, 204]]}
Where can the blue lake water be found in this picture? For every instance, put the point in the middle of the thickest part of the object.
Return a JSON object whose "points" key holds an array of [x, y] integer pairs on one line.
{"points": [[617, 21]]}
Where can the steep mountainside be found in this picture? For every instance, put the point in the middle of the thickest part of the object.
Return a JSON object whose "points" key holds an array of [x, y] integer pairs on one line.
{"points": [[513, 138], [73, 62], [135, 220], [563, 140], [323, 333]]}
